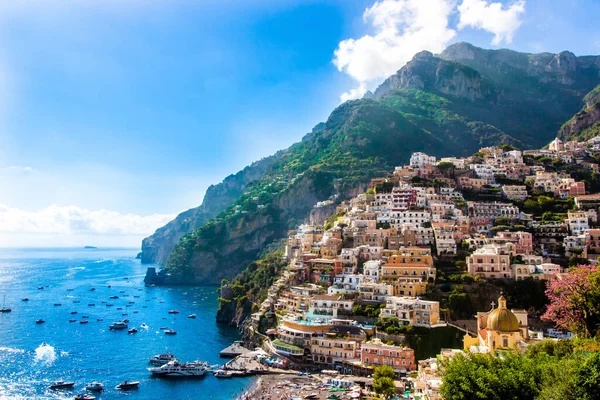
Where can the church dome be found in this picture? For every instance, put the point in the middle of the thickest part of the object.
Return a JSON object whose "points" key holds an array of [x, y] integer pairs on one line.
{"points": [[502, 319]]}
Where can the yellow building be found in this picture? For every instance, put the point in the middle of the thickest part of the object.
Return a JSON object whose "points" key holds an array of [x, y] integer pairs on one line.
{"points": [[500, 328], [411, 261]]}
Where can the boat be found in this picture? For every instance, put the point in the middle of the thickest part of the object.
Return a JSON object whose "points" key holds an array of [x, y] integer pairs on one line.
{"points": [[91, 305], [62, 385], [73, 312], [175, 369], [5, 309], [84, 321], [83, 396], [84, 316], [40, 287], [143, 325], [109, 305], [109, 286], [221, 373], [126, 385], [94, 387], [39, 321], [125, 320], [57, 304], [170, 332], [72, 320], [311, 396], [113, 297], [99, 319], [162, 328], [25, 299], [173, 312], [118, 326], [192, 316], [92, 289], [132, 330], [161, 359], [76, 301]]}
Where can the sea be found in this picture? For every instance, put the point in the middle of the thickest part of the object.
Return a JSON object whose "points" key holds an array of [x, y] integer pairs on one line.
{"points": [[76, 284]]}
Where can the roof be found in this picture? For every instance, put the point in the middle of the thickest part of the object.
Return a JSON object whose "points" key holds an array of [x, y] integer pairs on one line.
{"points": [[326, 297]]}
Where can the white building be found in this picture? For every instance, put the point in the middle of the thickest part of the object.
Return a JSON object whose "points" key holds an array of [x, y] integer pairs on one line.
{"points": [[421, 159]]}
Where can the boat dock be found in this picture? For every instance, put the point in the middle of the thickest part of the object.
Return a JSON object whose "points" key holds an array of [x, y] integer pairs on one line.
{"points": [[236, 349]]}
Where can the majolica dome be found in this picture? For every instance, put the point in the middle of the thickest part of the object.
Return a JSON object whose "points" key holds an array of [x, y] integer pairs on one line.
{"points": [[502, 319]]}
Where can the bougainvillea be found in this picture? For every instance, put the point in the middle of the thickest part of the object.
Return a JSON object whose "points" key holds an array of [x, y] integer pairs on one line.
{"points": [[575, 300]]}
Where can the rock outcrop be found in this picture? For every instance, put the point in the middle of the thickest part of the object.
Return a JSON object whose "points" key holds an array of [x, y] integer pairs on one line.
{"points": [[585, 124]]}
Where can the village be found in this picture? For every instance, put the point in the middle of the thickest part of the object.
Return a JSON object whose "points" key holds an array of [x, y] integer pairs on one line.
{"points": [[359, 279]]}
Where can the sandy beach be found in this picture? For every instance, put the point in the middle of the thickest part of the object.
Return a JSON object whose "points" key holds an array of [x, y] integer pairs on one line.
{"points": [[284, 386]]}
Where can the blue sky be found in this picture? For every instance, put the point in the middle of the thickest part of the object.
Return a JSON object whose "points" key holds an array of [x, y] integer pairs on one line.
{"points": [[115, 115]]}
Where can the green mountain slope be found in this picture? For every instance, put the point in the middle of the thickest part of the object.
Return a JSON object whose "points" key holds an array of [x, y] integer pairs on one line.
{"points": [[451, 104], [586, 123]]}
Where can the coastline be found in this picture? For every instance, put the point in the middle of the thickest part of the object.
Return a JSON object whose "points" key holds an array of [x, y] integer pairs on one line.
{"points": [[283, 386]]}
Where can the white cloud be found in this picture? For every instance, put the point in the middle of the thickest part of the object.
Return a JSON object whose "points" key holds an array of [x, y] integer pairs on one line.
{"points": [[73, 220], [402, 28], [493, 17]]}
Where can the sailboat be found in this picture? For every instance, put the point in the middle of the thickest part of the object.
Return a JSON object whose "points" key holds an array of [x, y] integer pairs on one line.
{"points": [[4, 308]]}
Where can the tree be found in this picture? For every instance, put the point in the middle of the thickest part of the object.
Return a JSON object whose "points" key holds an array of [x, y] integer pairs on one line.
{"points": [[587, 378], [575, 300], [383, 382]]}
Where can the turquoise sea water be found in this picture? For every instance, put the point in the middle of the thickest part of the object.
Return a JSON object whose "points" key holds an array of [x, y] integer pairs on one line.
{"points": [[90, 352]]}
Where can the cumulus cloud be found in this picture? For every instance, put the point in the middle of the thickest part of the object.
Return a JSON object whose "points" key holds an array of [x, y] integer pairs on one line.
{"points": [[401, 28], [73, 220], [493, 17]]}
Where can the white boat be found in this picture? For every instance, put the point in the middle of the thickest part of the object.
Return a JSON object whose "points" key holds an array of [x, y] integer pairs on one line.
{"points": [[62, 385], [173, 312], [162, 359], [94, 387], [192, 316], [221, 373], [170, 332], [118, 326], [176, 369], [126, 385]]}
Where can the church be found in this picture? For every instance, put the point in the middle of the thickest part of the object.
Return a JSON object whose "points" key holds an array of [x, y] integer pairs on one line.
{"points": [[499, 329]]}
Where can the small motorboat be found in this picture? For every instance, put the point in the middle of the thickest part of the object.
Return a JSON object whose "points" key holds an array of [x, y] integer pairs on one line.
{"points": [[92, 289], [113, 297], [94, 387], [99, 319], [91, 305], [132, 330], [25, 299], [170, 332], [221, 373], [83, 396], [39, 321], [84, 321], [162, 328], [57, 304], [84, 316], [109, 305], [40, 288], [192, 316], [126, 385], [62, 385], [73, 312], [311, 396], [173, 312], [109, 286], [72, 320], [76, 301], [143, 325], [117, 326]]}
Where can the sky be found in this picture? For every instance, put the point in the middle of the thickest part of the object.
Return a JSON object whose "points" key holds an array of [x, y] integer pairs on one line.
{"points": [[115, 115]]}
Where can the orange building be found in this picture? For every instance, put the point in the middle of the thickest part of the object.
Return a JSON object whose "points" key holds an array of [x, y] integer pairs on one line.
{"points": [[377, 353]]}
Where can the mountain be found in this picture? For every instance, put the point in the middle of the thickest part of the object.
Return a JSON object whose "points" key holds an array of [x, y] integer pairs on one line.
{"points": [[450, 104], [586, 123], [156, 248]]}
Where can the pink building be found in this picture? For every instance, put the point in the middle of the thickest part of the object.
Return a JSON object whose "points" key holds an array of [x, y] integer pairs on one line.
{"points": [[377, 353]]}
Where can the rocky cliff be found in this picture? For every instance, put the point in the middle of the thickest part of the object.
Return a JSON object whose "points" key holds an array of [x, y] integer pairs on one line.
{"points": [[586, 123], [156, 248]]}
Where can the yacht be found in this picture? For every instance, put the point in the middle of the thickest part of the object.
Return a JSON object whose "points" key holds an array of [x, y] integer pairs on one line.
{"points": [[62, 385], [94, 387], [113, 297], [126, 385], [92, 289], [192, 316], [57, 304], [25, 299], [174, 368], [118, 326], [162, 359], [173, 312], [39, 321], [4, 308], [221, 373], [170, 332], [72, 320], [84, 321], [132, 330]]}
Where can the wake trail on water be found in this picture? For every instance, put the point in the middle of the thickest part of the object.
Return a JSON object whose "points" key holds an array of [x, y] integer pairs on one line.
{"points": [[45, 354]]}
